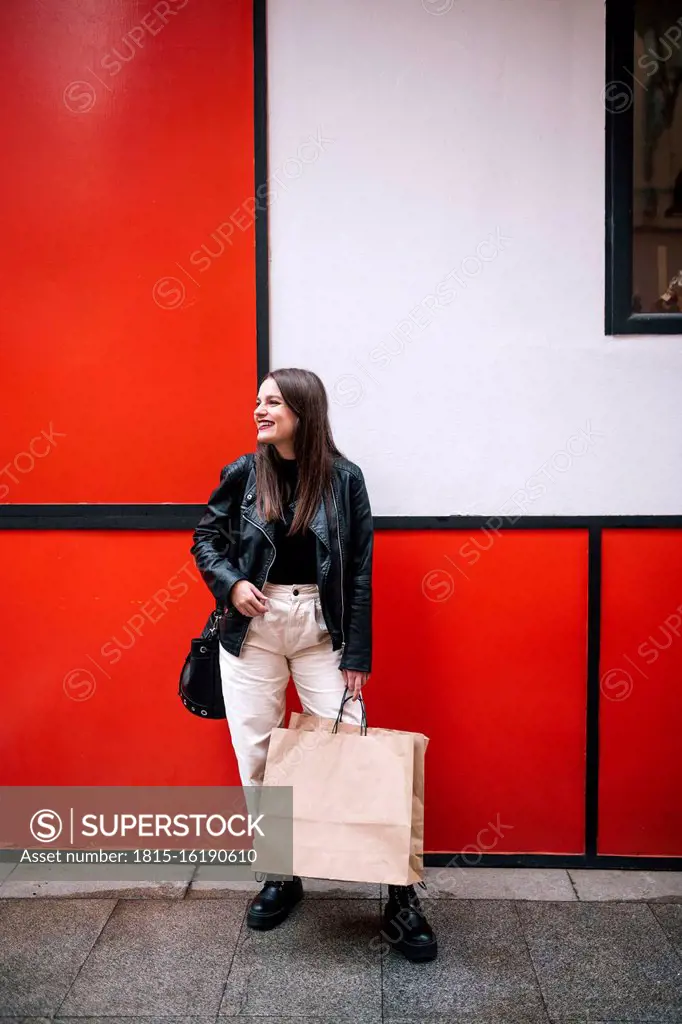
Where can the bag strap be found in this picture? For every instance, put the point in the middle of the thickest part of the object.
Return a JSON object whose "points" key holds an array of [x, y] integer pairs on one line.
{"points": [[363, 724]]}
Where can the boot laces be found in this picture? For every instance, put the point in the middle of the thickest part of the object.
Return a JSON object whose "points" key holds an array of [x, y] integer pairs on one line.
{"points": [[405, 896]]}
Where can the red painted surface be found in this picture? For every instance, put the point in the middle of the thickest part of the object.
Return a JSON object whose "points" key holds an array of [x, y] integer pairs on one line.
{"points": [[641, 694], [129, 354], [100, 623], [481, 644], [493, 672]]}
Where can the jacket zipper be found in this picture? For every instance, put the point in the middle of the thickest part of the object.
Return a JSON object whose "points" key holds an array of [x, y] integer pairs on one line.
{"points": [[338, 536], [266, 571]]}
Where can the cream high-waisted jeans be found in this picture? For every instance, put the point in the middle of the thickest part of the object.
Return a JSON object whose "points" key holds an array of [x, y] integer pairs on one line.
{"points": [[290, 638]]}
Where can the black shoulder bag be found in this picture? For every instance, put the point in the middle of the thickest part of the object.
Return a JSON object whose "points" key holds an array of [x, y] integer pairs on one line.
{"points": [[200, 687]]}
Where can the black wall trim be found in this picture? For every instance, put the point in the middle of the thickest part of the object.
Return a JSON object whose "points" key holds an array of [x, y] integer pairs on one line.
{"points": [[551, 860], [170, 516], [623, 80]]}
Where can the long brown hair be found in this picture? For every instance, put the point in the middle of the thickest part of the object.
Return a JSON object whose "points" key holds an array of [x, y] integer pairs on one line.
{"points": [[314, 449]]}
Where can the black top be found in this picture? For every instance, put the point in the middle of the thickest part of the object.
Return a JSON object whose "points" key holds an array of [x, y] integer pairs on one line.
{"points": [[296, 558]]}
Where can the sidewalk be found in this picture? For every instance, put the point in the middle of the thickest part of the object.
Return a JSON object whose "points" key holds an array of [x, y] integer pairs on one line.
{"points": [[516, 946]]}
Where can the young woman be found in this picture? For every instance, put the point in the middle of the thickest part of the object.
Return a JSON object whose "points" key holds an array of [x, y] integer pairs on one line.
{"points": [[295, 573]]}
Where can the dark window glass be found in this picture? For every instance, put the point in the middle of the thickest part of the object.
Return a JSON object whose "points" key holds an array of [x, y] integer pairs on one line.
{"points": [[657, 158]]}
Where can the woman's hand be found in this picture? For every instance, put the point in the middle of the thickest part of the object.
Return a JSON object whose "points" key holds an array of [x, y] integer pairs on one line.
{"points": [[248, 599], [355, 681]]}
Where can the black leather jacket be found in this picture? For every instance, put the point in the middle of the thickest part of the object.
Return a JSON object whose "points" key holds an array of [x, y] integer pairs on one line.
{"points": [[232, 542]]}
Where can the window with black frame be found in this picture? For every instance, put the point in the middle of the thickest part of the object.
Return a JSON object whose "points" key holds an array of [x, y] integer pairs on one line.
{"points": [[643, 101]]}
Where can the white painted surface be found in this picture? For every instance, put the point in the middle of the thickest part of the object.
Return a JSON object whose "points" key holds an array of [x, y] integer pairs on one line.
{"points": [[449, 129]]}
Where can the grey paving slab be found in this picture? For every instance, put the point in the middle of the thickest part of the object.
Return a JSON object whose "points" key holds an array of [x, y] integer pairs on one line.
{"points": [[669, 916], [97, 880], [157, 957], [499, 883], [316, 964], [208, 884], [603, 961], [597, 885], [6, 868], [476, 1019], [207, 1019], [19, 1020], [21, 889], [494, 1019], [483, 970], [42, 947], [330, 889]]}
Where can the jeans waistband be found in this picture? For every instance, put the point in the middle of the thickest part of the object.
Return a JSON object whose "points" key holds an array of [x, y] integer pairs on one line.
{"points": [[287, 589]]}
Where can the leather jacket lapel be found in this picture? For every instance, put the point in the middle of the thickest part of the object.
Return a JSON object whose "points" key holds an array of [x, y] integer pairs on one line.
{"points": [[318, 525]]}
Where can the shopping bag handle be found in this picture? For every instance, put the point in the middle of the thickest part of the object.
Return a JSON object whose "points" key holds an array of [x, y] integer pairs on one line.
{"points": [[363, 725]]}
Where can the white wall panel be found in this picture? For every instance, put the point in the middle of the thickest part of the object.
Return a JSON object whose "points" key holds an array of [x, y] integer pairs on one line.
{"points": [[444, 131]]}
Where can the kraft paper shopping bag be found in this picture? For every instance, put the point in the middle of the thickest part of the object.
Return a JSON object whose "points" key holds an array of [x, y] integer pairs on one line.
{"points": [[356, 813], [314, 722]]}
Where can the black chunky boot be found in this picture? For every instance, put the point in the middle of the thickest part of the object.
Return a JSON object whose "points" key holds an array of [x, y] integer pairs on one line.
{"points": [[273, 903], [405, 927]]}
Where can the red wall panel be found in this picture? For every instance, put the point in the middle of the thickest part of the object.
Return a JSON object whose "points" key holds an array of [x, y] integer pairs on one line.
{"points": [[493, 670], [481, 644], [640, 777], [128, 349], [100, 623]]}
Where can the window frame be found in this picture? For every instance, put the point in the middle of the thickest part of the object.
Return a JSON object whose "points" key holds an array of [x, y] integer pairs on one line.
{"points": [[620, 57]]}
